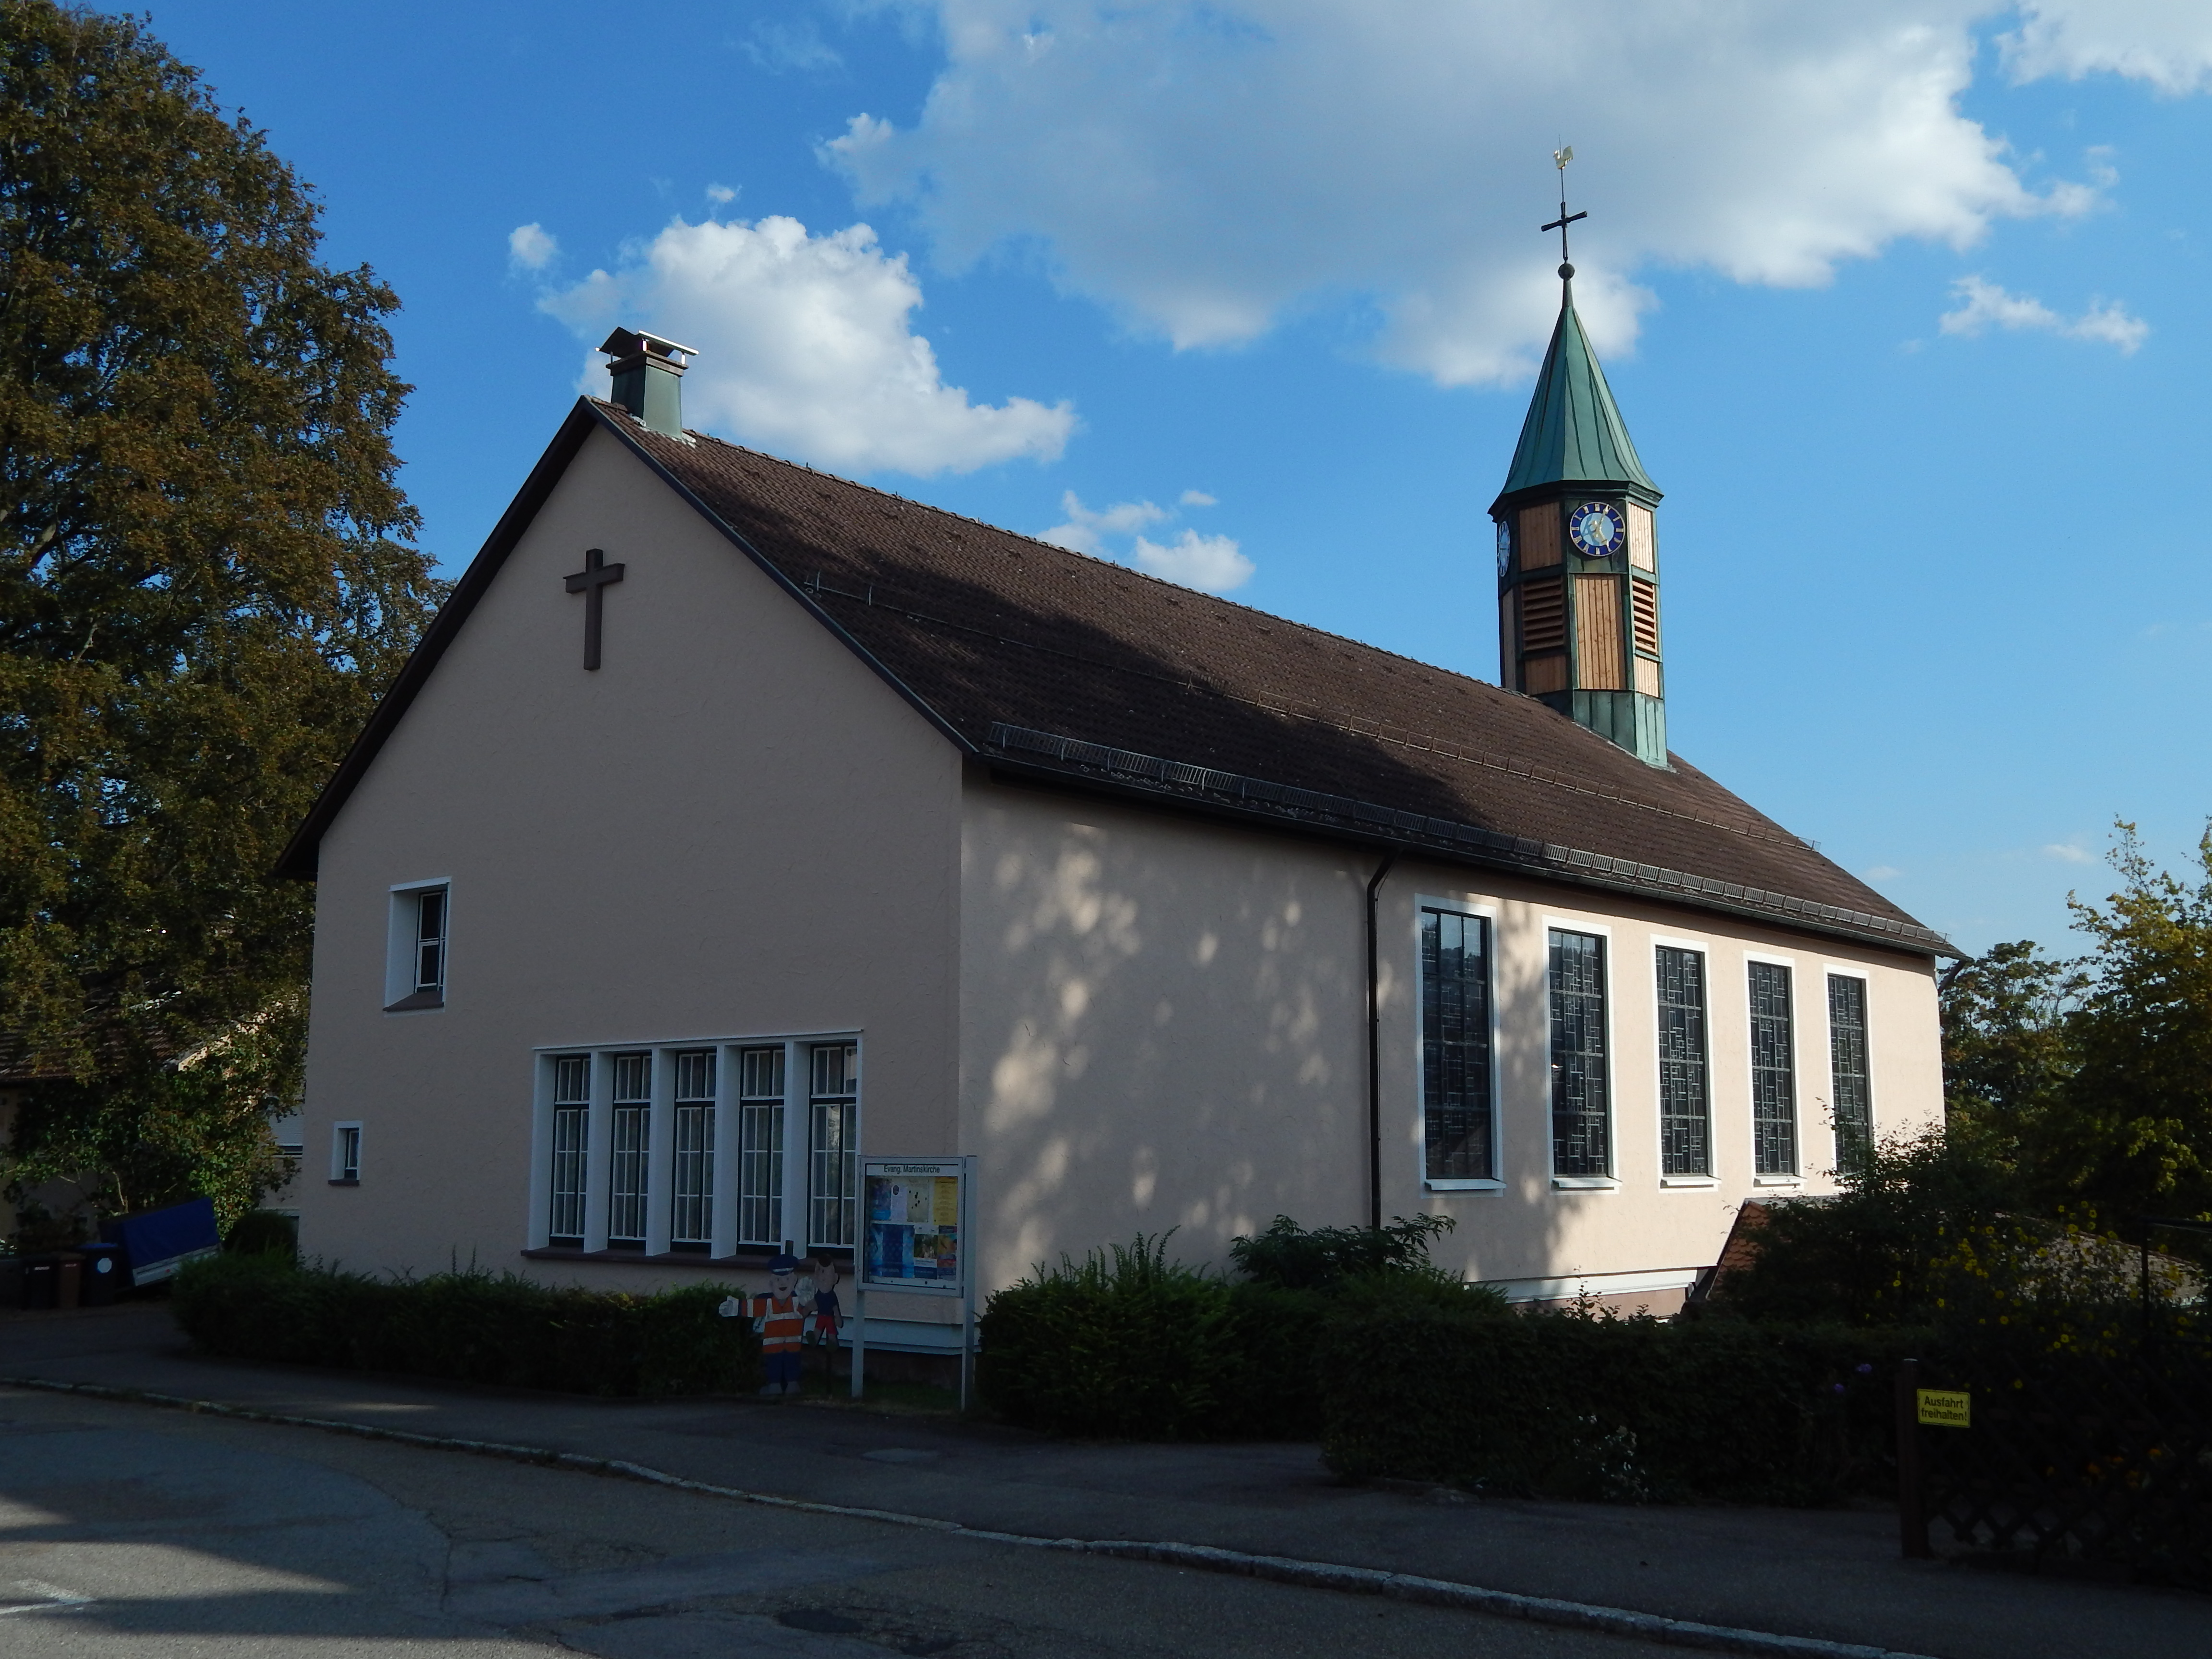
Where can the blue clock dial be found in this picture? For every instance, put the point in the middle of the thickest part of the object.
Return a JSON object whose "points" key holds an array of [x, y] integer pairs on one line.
{"points": [[1597, 530], [1504, 548]]}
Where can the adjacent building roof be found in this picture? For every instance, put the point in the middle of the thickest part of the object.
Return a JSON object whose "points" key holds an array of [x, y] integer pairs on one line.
{"points": [[1574, 432], [1057, 666]]}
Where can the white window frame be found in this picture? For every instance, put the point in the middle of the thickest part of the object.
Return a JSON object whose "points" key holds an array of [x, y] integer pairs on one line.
{"points": [[1609, 1181], [1795, 1177], [1865, 976], [798, 1073], [1711, 1178], [342, 1175], [1496, 1183], [402, 937]]}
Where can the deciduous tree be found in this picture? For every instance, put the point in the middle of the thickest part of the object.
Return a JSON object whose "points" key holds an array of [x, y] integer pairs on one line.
{"points": [[206, 575]]}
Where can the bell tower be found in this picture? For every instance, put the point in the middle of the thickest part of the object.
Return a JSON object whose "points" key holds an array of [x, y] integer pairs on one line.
{"points": [[1578, 547]]}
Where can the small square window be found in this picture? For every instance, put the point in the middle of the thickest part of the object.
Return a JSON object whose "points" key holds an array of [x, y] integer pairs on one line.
{"points": [[345, 1155]]}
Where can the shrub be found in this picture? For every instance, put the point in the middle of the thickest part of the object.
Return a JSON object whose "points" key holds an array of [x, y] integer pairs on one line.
{"points": [[1567, 1405], [470, 1325], [1126, 1345], [263, 1233]]}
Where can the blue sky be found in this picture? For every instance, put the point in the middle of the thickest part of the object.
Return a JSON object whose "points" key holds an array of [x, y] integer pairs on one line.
{"points": [[1902, 301]]}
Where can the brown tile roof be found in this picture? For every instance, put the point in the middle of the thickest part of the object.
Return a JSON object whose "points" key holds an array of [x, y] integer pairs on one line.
{"points": [[1038, 656], [1049, 663]]}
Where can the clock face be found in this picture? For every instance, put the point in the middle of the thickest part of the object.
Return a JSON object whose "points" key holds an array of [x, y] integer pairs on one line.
{"points": [[1597, 531], [1505, 548]]}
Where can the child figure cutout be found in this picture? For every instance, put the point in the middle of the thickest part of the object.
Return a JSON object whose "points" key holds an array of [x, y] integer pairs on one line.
{"points": [[781, 1319], [825, 1316]]}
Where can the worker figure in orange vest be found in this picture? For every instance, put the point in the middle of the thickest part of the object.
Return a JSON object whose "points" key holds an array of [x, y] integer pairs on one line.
{"points": [[781, 1319]]}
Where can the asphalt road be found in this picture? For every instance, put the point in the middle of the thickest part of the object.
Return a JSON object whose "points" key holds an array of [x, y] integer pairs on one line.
{"points": [[129, 1531]]}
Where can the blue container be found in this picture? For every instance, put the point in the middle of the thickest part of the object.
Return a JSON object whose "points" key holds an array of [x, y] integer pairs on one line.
{"points": [[157, 1243]]}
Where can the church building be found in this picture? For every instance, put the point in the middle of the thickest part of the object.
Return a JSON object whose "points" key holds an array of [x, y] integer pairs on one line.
{"points": [[734, 820]]}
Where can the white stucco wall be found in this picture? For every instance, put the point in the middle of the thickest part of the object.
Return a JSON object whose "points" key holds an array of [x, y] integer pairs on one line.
{"points": [[1164, 1026], [732, 828]]}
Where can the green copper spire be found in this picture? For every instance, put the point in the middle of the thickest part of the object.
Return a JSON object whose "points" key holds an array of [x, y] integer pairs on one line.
{"points": [[1574, 432]]}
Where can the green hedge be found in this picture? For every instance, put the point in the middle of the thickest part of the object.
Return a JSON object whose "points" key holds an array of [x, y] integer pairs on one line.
{"points": [[1129, 1345], [473, 1327], [1564, 1405]]}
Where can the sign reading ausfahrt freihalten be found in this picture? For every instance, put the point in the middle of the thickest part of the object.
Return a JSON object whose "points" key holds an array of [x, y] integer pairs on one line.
{"points": [[1946, 1408]]}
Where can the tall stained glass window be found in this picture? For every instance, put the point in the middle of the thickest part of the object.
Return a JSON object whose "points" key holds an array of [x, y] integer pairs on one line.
{"points": [[1581, 1099], [760, 1148], [1456, 1107], [630, 1145], [1853, 1102], [1685, 1102], [572, 1108], [833, 1172], [692, 1213], [1773, 1072]]}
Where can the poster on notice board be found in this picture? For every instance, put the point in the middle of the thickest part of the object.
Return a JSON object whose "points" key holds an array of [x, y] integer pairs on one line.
{"points": [[915, 1211]]}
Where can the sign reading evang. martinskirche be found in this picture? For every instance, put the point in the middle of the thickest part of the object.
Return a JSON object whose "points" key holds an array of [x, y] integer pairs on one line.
{"points": [[916, 1213]]}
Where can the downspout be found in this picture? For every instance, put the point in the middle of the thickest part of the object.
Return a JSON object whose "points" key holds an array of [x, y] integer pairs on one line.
{"points": [[1375, 1050]]}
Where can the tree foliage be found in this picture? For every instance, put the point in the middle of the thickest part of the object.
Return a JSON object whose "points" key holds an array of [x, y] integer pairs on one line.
{"points": [[206, 576]]}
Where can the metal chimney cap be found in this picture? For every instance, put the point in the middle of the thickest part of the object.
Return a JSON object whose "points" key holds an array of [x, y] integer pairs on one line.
{"points": [[624, 342]]}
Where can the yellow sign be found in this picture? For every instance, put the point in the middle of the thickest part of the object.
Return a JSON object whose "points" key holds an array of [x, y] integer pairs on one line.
{"points": [[1946, 1408]]}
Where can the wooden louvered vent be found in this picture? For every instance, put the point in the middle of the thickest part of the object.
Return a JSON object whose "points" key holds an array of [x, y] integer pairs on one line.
{"points": [[1643, 613], [1544, 615]]}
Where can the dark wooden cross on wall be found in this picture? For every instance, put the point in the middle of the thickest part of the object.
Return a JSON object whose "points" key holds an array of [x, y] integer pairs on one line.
{"points": [[592, 582]]}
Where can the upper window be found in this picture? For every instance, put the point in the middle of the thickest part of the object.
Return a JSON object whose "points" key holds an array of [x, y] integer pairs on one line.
{"points": [[415, 964], [1773, 1072], [1685, 1105], [1581, 1097], [345, 1154], [1847, 1061], [1455, 1105]]}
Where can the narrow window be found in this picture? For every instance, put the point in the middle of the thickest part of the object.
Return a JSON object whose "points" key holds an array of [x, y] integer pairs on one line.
{"points": [[760, 1148], [345, 1155], [1581, 1139], [430, 942], [572, 1107], [1847, 1061], [633, 1117], [692, 1220], [1685, 1116], [1773, 1072], [835, 1170], [1455, 1124]]}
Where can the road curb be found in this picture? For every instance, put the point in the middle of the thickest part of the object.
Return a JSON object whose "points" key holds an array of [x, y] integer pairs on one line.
{"points": [[1205, 1558]]}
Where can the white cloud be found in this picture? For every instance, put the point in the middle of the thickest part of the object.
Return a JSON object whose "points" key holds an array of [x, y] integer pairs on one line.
{"points": [[2167, 43], [532, 247], [780, 48], [2069, 855], [1208, 167], [1983, 305], [1085, 531], [1883, 872], [806, 348], [1212, 564], [720, 195], [1198, 498]]}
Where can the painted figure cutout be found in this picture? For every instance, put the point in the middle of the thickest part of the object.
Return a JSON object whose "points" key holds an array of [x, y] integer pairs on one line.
{"points": [[780, 1318]]}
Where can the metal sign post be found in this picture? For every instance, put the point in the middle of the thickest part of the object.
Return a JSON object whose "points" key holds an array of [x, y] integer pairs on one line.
{"points": [[915, 1239]]}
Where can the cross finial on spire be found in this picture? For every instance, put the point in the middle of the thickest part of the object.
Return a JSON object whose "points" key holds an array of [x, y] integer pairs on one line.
{"points": [[1560, 157]]}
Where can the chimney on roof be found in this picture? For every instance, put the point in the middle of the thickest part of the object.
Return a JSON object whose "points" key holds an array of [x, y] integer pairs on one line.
{"points": [[649, 372]]}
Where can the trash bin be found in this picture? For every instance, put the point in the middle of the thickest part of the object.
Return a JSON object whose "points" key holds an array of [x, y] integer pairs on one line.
{"points": [[68, 1275], [40, 1272], [100, 1278]]}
